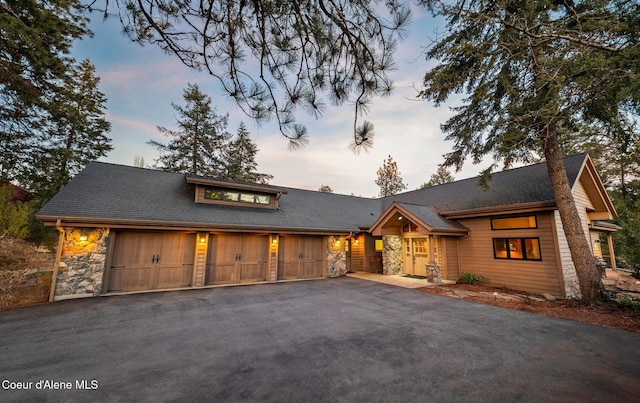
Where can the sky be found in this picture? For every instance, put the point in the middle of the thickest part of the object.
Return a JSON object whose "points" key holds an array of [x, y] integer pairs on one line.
{"points": [[141, 83]]}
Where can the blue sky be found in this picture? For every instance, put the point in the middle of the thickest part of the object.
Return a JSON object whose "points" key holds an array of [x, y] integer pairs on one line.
{"points": [[141, 82]]}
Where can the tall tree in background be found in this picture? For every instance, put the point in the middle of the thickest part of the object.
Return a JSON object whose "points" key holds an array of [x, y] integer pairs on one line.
{"points": [[36, 37], [73, 135], [389, 178], [441, 176], [305, 50], [240, 159], [532, 69], [197, 146]]}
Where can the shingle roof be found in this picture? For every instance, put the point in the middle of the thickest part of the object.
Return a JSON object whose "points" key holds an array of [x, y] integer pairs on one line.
{"points": [[528, 184], [115, 192], [429, 216], [105, 192]]}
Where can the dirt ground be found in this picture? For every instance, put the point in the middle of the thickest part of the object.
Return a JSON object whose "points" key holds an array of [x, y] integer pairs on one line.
{"points": [[602, 314]]}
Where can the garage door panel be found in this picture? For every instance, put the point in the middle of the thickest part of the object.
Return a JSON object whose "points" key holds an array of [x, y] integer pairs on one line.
{"points": [[130, 279], [151, 260], [236, 258], [252, 273], [174, 276], [300, 257], [221, 273]]}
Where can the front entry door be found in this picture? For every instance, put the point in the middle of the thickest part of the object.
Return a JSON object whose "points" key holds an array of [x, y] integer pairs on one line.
{"points": [[416, 256], [237, 259], [151, 261]]}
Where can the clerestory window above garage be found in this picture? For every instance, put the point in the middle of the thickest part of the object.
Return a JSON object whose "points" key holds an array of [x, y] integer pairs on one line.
{"points": [[211, 191]]}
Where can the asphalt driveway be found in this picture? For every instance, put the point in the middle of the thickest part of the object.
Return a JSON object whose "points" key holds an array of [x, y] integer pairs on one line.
{"points": [[344, 340]]}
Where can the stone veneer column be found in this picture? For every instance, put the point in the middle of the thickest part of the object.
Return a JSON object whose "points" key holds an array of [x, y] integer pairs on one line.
{"points": [[82, 263], [391, 254], [336, 257]]}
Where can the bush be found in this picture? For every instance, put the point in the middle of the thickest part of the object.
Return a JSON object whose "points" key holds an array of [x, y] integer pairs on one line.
{"points": [[471, 278], [15, 216]]}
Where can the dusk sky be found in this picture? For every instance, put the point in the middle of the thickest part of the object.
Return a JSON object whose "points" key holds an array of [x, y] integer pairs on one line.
{"points": [[142, 82]]}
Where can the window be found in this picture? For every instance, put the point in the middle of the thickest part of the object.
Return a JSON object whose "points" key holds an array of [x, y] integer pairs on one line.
{"points": [[229, 196], [409, 227], [514, 222], [517, 248]]}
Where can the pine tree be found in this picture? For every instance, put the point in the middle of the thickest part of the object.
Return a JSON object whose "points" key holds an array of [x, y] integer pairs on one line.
{"points": [[74, 135], [37, 36], [389, 178], [305, 50], [441, 176], [240, 159], [197, 146]]}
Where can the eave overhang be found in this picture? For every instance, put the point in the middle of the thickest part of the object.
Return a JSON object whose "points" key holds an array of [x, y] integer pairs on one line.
{"points": [[84, 222], [198, 180], [501, 210]]}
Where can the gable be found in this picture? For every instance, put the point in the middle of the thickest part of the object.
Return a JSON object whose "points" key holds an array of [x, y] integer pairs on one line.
{"points": [[425, 218], [590, 192]]}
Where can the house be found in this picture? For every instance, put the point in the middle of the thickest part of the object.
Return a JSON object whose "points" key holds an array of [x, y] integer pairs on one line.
{"points": [[127, 229]]}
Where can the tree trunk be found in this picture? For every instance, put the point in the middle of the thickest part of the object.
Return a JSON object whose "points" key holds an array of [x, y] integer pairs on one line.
{"points": [[585, 263]]}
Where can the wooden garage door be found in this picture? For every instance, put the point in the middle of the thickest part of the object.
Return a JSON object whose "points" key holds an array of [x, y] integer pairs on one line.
{"points": [[151, 261], [300, 257], [234, 259]]}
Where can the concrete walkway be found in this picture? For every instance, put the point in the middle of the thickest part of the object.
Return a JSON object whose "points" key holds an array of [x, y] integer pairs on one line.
{"points": [[399, 280], [405, 281]]}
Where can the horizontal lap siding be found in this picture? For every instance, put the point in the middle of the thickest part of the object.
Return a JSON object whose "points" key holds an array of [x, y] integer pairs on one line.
{"points": [[476, 256], [451, 258]]}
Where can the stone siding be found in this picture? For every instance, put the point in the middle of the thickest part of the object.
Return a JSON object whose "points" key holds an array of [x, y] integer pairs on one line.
{"points": [[391, 254], [82, 262], [336, 257]]}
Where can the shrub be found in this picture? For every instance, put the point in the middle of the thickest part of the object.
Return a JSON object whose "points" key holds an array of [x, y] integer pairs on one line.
{"points": [[471, 278], [15, 216]]}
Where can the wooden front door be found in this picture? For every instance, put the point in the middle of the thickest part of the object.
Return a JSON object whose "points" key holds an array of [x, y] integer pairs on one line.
{"points": [[237, 259], [300, 257], [150, 261], [416, 256]]}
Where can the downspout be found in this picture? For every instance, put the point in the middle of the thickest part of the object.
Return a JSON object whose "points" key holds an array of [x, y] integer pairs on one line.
{"points": [[56, 268]]}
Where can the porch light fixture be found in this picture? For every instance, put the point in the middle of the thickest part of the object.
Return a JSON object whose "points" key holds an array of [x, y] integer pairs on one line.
{"points": [[274, 239], [203, 239], [400, 218], [84, 238]]}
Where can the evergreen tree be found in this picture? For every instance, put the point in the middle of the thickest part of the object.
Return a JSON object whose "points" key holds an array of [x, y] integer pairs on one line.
{"points": [[36, 38], [389, 178], [197, 146], [441, 176], [73, 135], [305, 49], [240, 159], [533, 69]]}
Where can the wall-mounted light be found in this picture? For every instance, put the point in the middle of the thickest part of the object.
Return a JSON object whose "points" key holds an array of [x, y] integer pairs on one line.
{"points": [[337, 242], [203, 239], [274, 239], [84, 235], [357, 241], [400, 218]]}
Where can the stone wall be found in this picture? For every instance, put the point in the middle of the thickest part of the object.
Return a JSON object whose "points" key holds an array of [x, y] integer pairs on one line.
{"points": [[336, 257], [391, 254], [82, 261]]}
